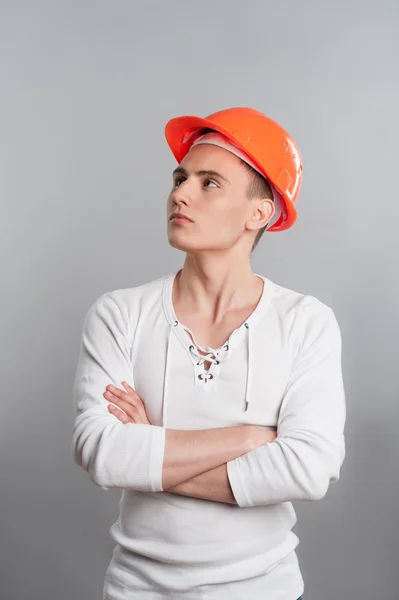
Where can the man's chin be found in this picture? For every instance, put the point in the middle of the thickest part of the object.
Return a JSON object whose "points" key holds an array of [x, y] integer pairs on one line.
{"points": [[181, 245]]}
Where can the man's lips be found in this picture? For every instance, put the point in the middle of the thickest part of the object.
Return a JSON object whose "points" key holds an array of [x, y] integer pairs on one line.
{"points": [[180, 217]]}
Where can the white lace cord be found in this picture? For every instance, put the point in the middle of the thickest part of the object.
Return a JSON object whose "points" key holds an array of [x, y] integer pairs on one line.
{"points": [[212, 356], [164, 403], [248, 368]]}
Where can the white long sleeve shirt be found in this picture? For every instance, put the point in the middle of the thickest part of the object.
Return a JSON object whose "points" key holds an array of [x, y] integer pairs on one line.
{"points": [[280, 369]]}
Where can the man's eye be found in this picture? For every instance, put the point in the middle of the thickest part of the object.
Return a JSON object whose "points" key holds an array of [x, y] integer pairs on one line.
{"points": [[179, 179]]}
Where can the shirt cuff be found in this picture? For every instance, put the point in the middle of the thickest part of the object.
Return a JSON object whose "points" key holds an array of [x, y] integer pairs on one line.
{"points": [[156, 457], [237, 486]]}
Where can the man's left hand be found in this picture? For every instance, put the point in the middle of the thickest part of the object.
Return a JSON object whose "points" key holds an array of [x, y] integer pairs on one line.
{"points": [[129, 406]]}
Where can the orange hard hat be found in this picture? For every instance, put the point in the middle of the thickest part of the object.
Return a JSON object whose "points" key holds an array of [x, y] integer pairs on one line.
{"points": [[263, 140]]}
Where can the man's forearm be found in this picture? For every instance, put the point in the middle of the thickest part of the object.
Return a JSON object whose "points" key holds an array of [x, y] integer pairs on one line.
{"points": [[191, 453], [211, 485]]}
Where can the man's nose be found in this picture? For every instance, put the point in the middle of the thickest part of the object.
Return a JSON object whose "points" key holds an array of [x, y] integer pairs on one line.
{"points": [[183, 193]]}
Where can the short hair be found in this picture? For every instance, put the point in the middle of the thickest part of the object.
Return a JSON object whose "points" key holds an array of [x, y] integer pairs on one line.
{"points": [[258, 187]]}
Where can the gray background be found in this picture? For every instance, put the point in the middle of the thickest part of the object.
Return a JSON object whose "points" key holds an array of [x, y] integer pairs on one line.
{"points": [[86, 89]]}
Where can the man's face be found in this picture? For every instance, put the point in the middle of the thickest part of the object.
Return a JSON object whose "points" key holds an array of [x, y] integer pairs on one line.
{"points": [[217, 204]]}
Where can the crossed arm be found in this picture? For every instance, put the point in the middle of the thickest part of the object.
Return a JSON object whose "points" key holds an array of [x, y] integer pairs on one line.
{"points": [[212, 484]]}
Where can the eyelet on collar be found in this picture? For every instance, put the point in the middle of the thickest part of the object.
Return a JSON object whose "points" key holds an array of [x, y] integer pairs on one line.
{"points": [[205, 376]]}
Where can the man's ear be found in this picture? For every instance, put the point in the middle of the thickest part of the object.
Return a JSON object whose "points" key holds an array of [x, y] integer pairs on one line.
{"points": [[262, 214]]}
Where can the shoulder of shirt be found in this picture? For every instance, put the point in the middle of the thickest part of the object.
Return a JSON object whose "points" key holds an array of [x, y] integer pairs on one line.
{"points": [[130, 300], [289, 298], [300, 308], [306, 317]]}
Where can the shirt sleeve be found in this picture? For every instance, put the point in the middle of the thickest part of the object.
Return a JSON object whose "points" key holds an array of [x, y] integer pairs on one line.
{"points": [[309, 449], [114, 454]]}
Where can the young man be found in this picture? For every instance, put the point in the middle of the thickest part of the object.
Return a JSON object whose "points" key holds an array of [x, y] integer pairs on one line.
{"points": [[213, 397]]}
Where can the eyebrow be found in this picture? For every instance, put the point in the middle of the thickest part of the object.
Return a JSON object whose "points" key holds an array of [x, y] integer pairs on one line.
{"points": [[183, 171]]}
